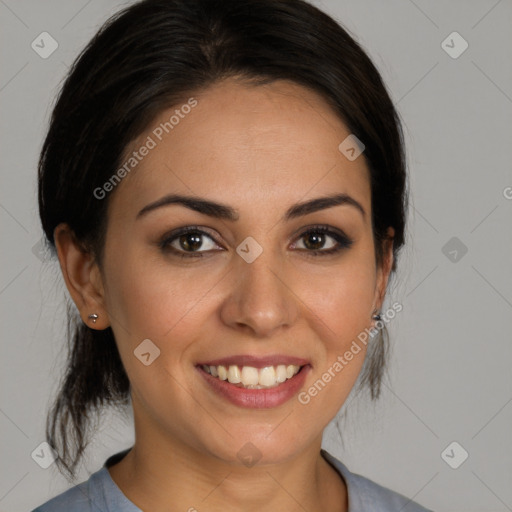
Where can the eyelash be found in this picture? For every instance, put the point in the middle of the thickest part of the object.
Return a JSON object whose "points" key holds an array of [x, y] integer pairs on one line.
{"points": [[343, 241]]}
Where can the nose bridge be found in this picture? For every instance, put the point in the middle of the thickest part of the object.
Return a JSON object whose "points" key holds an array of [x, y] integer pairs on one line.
{"points": [[260, 298]]}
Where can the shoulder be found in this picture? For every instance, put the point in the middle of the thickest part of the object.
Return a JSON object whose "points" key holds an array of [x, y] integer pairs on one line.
{"points": [[85, 497], [365, 494], [97, 494]]}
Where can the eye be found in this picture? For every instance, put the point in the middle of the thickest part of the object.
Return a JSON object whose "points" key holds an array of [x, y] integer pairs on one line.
{"points": [[186, 242], [316, 238], [316, 241]]}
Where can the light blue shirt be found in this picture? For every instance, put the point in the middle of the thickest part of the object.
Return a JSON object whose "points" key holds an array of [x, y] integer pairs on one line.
{"points": [[101, 494]]}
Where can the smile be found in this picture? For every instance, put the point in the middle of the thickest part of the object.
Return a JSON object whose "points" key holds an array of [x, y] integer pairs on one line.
{"points": [[255, 382], [250, 377]]}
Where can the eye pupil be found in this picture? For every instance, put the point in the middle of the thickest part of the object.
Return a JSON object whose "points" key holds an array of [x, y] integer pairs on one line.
{"points": [[320, 240], [190, 241]]}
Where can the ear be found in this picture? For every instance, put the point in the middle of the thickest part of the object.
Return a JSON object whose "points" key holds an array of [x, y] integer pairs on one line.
{"points": [[384, 269], [82, 276]]}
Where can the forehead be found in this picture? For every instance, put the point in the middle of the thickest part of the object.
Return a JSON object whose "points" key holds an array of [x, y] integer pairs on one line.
{"points": [[247, 146]]}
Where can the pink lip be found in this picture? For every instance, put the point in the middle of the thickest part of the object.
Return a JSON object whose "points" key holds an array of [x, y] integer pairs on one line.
{"points": [[256, 362], [257, 398]]}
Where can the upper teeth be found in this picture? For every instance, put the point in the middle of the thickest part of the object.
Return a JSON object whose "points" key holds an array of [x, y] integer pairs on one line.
{"points": [[253, 378]]}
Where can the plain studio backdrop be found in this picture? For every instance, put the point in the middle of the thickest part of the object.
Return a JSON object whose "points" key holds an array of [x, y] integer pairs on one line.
{"points": [[441, 432]]}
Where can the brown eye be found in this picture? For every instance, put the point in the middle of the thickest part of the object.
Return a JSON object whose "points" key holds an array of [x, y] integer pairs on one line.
{"points": [[190, 241], [314, 241], [186, 242], [316, 238]]}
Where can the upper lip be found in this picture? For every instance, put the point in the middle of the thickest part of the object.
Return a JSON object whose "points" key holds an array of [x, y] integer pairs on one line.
{"points": [[255, 361]]}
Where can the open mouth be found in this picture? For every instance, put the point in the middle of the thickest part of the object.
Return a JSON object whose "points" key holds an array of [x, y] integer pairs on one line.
{"points": [[249, 377]]}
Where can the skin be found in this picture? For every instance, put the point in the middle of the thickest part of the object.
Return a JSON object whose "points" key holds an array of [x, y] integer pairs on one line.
{"points": [[258, 149]]}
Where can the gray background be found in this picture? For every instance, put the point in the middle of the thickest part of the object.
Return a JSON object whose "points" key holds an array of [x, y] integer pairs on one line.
{"points": [[450, 376]]}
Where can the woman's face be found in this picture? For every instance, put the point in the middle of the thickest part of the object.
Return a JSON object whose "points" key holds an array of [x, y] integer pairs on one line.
{"points": [[245, 288]]}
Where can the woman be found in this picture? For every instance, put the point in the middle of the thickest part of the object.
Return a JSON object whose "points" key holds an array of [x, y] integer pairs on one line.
{"points": [[224, 185]]}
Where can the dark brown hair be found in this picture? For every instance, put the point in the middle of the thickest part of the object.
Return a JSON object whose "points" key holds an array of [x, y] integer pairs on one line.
{"points": [[150, 56]]}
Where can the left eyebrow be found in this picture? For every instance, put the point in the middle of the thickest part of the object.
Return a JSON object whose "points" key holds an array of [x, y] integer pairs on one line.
{"points": [[322, 203], [222, 211]]}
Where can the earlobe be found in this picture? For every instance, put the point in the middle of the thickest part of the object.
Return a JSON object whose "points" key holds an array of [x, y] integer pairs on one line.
{"points": [[82, 277]]}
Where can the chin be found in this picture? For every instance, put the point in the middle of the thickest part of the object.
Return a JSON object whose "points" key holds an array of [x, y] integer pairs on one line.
{"points": [[261, 445]]}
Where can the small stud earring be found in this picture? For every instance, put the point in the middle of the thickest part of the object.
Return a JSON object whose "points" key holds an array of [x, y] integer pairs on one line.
{"points": [[93, 317], [376, 315]]}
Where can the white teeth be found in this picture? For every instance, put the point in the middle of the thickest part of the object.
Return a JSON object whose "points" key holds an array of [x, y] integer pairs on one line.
{"points": [[281, 373], [291, 370], [249, 376], [253, 378], [234, 374], [223, 373], [267, 376]]}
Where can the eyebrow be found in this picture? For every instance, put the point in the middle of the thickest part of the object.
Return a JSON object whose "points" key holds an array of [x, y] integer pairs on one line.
{"points": [[222, 211]]}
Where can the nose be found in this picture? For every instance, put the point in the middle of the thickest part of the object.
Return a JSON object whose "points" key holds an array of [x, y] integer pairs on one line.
{"points": [[261, 301]]}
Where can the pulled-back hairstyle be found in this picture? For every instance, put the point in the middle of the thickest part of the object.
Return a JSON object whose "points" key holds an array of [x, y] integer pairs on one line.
{"points": [[151, 56]]}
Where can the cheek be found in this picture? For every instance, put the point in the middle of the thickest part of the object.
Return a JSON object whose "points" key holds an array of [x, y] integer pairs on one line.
{"points": [[342, 298], [148, 297], [341, 313], [153, 301], [161, 302]]}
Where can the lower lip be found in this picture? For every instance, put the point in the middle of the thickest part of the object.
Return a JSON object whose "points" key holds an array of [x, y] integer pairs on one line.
{"points": [[257, 398]]}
